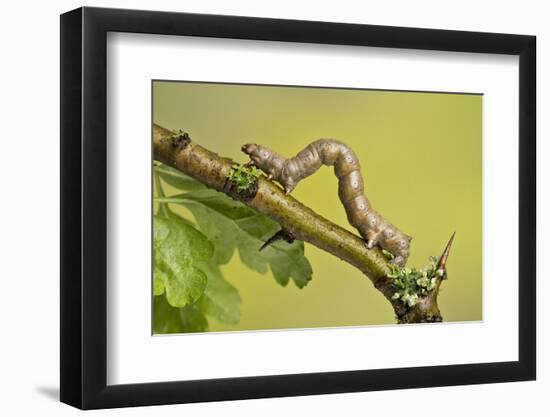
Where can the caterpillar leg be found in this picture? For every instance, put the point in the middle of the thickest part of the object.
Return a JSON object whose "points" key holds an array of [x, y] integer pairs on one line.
{"points": [[401, 253], [288, 186], [399, 261], [371, 239]]}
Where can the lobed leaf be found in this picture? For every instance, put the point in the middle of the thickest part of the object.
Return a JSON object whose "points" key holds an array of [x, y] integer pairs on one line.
{"points": [[221, 300], [176, 178], [231, 226], [168, 319], [189, 287], [178, 247]]}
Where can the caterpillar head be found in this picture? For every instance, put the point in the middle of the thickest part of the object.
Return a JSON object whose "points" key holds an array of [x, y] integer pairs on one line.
{"points": [[264, 158], [257, 153]]}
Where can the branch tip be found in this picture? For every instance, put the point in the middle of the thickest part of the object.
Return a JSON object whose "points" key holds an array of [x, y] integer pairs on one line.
{"points": [[442, 264]]}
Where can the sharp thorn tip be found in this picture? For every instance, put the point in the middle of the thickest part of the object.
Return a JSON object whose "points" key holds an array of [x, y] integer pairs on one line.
{"points": [[445, 255]]}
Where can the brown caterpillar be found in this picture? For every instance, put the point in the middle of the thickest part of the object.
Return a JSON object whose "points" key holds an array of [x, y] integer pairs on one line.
{"points": [[288, 172]]}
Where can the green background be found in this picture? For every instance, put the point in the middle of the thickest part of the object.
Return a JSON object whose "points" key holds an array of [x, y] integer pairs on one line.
{"points": [[421, 156]]}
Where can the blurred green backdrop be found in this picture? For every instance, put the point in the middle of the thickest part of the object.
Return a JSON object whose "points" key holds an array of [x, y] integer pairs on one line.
{"points": [[421, 156]]}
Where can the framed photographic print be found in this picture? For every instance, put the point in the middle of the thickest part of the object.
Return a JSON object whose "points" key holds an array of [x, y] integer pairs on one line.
{"points": [[259, 207]]}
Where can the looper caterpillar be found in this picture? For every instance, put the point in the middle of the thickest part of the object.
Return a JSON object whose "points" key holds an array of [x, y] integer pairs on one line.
{"points": [[288, 172]]}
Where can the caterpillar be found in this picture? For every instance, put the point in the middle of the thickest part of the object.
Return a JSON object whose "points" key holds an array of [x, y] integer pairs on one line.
{"points": [[372, 227]]}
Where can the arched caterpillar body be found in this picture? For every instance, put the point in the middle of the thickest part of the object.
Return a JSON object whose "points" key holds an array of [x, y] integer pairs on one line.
{"points": [[288, 172]]}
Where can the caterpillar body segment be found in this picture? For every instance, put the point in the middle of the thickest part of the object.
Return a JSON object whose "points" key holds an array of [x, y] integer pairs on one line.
{"points": [[289, 172]]}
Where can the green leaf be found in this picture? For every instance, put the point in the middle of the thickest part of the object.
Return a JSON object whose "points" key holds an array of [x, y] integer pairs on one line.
{"points": [[158, 282], [230, 226], [178, 247], [193, 320], [221, 300], [168, 319], [176, 178]]}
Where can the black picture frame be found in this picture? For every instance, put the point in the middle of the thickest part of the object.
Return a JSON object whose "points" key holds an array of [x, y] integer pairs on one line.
{"points": [[84, 207]]}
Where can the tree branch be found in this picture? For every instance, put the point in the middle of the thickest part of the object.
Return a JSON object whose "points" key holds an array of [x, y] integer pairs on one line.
{"points": [[205, 166]]}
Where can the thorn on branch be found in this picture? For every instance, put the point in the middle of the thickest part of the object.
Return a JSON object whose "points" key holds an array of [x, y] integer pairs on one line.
{"points": [[280, 235], [442, 264]]}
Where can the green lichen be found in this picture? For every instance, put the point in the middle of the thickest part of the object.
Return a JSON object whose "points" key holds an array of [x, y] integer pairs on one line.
{"points": [[243, 177], [412, 283]]}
